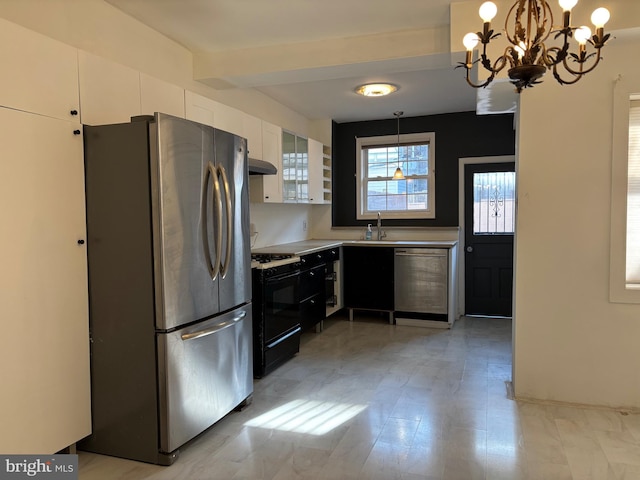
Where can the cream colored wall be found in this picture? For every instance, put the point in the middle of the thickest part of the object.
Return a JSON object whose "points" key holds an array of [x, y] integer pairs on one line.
{"points": [[571, 343], [280, 223]]}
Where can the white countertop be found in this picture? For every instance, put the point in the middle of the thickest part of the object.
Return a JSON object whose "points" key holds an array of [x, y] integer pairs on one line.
{"points": [[309, 246]]}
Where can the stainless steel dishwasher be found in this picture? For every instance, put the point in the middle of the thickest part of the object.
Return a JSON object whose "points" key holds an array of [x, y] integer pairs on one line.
{"points": [[420, 276]]}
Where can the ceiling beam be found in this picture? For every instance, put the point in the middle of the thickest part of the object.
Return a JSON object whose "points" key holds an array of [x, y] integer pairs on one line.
{"points": [[407, 50]]}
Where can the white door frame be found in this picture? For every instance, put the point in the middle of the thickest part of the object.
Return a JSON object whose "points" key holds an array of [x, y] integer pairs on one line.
{"points": [[461, 262]]}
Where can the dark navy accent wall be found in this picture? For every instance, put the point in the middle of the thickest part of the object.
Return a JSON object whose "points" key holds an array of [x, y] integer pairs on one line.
{"points": [[457, 135]]}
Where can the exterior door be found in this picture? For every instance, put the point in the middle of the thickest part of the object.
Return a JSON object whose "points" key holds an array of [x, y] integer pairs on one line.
{"points": [[489, 209]]}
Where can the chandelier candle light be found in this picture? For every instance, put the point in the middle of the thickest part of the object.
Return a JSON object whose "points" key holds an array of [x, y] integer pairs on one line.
{"points": [[528, 57]]}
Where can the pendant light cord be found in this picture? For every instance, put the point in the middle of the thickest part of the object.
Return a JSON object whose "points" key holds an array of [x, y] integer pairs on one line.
{"points": [[398, 175]]}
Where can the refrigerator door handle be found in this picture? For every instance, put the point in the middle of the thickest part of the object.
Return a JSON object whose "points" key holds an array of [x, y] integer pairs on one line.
{"points": [[212, 266], [216, 328], [227, 192]]}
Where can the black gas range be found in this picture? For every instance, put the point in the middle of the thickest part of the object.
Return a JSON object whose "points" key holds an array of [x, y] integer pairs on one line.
{"points": [[276, 311]]}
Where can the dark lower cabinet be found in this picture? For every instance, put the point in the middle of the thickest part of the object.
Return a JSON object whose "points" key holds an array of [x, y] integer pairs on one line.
{"points": [[312, 290], [368, 277], [312, 311], [311, 282]]}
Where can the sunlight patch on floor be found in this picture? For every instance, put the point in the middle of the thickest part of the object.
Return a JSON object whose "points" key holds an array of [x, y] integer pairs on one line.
{"points": [[307, 416]]}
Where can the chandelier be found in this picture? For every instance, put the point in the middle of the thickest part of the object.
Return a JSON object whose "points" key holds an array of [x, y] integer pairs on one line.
{"points": [[527, 56]]}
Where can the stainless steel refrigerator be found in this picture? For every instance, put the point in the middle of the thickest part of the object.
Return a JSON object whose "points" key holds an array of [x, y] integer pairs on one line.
{"points": [[169, 283]]}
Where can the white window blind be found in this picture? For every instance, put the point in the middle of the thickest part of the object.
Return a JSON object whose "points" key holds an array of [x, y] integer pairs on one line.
{"points": [[633, 198]]}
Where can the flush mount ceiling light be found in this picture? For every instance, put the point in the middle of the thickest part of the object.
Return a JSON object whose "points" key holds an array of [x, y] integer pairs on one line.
{"points": [[376, 89], [527, 55]]}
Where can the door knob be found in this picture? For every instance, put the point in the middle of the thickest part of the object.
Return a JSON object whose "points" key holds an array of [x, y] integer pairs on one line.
{"points": [[469, 249]]}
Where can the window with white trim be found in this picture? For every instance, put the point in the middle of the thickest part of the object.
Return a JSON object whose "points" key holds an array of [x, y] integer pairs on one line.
{"points": [[378, 159], [624, 278]]}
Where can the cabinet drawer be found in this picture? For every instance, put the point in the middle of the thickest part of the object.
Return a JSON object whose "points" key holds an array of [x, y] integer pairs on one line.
{"points": [[312, 282], [312, 310], [331, 255], [312, 260]]}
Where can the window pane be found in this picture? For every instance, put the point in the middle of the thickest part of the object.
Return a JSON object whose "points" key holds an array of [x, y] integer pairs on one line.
{"points": [[303, 191], [289, 190], [376, 187], [417, 202], [377, 202], [396, 202], [377, 155], [416, 168], [416, 185], [378, 170], [493, 202]]}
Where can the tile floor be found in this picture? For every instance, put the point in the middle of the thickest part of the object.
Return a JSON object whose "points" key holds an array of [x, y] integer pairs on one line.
{"points": [[368, 400]]}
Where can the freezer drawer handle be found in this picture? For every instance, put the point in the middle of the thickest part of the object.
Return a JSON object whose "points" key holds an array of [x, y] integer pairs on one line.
{"points": [[214, 329]]}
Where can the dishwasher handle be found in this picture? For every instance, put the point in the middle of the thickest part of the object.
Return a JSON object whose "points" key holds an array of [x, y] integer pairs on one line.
{"points": [[405, 253]]}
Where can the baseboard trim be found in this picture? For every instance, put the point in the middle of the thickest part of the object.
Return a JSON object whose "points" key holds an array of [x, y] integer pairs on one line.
{"points": [[621, 410], [413, 322]]}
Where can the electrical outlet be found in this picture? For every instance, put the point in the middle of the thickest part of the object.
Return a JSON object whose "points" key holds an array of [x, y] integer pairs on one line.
{"points": [[304, 225]]}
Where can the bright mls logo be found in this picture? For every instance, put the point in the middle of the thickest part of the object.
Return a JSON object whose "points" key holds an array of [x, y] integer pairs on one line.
{"points": [[51, 467]]}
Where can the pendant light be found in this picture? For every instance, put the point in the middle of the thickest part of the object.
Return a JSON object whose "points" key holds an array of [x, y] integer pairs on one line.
{"points": [[398, 175]]}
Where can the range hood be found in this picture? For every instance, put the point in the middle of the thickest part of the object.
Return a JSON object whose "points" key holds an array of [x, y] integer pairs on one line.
{"points": [[260, 167]]}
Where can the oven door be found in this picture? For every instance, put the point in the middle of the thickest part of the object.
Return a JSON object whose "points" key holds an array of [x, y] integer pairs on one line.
{"points": [[281, 305], [280, 328]]}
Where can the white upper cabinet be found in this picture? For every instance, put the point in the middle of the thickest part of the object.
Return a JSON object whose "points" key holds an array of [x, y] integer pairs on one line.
{"points": [[272, 152], [253, 134], [109, 91], [204, 110], [40, 75], [319, 173], [198, 108], [316, 172], [43, 285], [268, 188], [228, 119], [160, 96]]}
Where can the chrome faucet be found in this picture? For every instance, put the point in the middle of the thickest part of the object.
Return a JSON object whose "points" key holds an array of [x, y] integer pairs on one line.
{"points": [[381, 233]]}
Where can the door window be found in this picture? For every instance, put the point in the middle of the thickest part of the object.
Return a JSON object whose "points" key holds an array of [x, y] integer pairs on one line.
{"points": [[494, 203]]}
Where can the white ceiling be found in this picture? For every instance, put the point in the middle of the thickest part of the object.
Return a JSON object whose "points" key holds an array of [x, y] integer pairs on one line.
{"points": [[320, 84]]}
